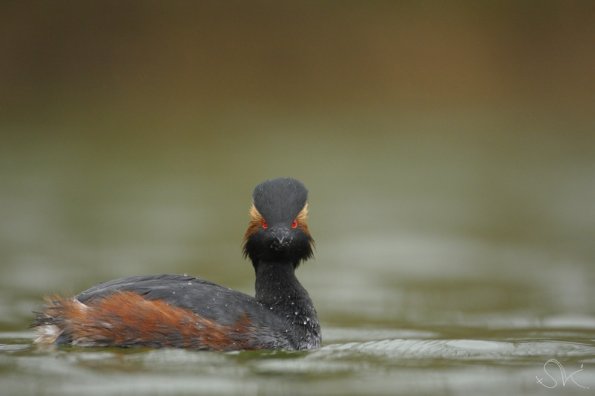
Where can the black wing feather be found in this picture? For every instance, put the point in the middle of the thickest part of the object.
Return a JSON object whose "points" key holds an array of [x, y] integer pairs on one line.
{"points": [[204, 298]]}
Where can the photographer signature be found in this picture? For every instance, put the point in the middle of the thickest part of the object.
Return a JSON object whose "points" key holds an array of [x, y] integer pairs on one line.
{"points": [[565, 378]]}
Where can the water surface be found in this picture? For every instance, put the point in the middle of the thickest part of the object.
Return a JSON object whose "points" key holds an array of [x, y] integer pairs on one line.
{"points": [[453, 255]]}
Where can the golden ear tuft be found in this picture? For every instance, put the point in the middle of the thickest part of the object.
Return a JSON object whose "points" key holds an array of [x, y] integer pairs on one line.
{"points": [[255, 223], [302, 217], [255, 214]]}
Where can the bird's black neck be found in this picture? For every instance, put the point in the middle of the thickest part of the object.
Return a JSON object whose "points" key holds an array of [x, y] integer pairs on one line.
{"points": [[278, 289], [276, 285]]}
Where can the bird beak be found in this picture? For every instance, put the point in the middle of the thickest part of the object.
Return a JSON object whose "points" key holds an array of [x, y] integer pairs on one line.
{"points": [[281, 236]]}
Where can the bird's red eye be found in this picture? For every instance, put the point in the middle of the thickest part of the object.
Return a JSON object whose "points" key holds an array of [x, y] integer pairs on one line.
{"points": [[265, 225], [294, 224]]}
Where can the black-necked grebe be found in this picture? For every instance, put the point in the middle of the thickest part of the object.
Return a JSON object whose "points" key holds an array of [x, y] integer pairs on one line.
{"points": [[185, 312]]}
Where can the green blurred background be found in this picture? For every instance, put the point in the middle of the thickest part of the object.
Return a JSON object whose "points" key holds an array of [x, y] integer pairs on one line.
{"points": [[448, 147]]}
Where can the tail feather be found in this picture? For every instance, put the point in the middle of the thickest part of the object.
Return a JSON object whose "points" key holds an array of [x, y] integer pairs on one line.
{"points": [[50, 322]]}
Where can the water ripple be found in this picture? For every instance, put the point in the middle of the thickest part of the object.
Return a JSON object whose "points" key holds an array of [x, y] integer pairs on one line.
{"points": [[463, 349]]}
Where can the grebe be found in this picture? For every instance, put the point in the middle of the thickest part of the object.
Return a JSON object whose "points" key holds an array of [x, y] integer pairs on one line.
{"points": [[181, 311]]}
